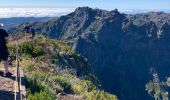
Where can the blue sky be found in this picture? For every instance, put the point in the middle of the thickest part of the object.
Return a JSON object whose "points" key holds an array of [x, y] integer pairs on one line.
{"points": [[105, 4]]}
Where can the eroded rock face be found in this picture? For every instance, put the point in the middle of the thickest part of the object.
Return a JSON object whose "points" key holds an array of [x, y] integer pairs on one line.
{"points": [[119, 51]]}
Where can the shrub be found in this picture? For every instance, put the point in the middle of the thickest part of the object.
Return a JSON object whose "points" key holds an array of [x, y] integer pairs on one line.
{"points": [[100, 95], [83, 86], [26, 48], [64, 83], [37, 51], [37, 91], [34, 85], [30, 67], [43, 95]]}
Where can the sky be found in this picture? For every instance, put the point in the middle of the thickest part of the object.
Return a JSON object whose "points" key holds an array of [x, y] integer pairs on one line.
{"points": [[103, 4]]}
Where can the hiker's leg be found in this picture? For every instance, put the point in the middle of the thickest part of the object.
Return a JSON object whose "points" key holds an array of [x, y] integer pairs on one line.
{"points": [[7, 73], [6, 66]]}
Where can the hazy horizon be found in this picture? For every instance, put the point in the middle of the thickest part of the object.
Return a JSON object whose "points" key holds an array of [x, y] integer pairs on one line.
{"points": [[54, 8], [56, 12]]}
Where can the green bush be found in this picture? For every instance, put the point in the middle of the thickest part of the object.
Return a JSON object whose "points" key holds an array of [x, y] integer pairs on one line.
{"points": [[64, 83], [26, 48], [83, 86], [37, 51], [100, 95], [30, 67], [34, 86], [37, 91], [40, 96]]}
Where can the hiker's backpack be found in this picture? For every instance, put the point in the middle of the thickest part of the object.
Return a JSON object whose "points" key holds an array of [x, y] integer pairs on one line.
{"points": [[3, 34]]}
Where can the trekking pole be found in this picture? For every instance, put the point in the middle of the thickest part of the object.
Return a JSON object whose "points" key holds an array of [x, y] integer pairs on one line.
{"points": [[17, 69]]}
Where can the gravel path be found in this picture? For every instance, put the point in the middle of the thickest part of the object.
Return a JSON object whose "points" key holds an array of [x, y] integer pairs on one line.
{"points": [[7, 86]]}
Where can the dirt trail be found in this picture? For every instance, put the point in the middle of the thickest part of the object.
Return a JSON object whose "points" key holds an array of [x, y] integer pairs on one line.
{"points": [[9, 86]]}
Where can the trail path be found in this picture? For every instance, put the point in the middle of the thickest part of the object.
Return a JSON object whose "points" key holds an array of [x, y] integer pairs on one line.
{"points": [[9, 86]]}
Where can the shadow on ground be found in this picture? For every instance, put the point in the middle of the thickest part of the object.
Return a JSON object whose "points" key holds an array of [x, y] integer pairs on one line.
{"points": [[6, 95]]}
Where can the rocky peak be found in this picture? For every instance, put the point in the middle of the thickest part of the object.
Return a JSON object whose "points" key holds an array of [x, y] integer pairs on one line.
{"points": [[114, 12], [82, 11], [79, 9]]}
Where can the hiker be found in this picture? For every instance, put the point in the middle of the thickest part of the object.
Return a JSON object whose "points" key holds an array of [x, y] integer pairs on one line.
{"points": [[4, 51], [26, 31], [32, 32]]}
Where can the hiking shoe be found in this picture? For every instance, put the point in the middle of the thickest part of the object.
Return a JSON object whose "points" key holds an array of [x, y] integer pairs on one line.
{"points": [[8, 74]]}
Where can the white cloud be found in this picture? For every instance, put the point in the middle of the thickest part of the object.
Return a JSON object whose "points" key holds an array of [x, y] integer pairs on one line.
{"points": [[125, 10], [33, 12]]}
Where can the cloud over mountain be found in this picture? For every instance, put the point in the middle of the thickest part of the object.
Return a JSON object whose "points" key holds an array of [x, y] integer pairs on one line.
{"points": [[33, 12]]}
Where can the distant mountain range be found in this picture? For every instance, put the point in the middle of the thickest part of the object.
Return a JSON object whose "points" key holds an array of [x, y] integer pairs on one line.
{"points": [[121, 48], [13, 22]]}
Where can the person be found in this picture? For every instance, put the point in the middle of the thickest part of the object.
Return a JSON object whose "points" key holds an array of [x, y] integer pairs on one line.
{"points": [[32, 32], [26, 31], [4, 50]]}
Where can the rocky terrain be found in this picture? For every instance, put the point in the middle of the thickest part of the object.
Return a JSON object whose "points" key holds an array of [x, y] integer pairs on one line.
{"points": [[121, 49]]}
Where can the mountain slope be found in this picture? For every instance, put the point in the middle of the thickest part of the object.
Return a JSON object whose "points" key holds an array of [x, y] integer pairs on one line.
{"points": [[54, 71], [120, 51]]}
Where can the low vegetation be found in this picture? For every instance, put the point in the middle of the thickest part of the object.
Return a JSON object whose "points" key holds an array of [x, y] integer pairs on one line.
{"points": [[53, 70]]}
